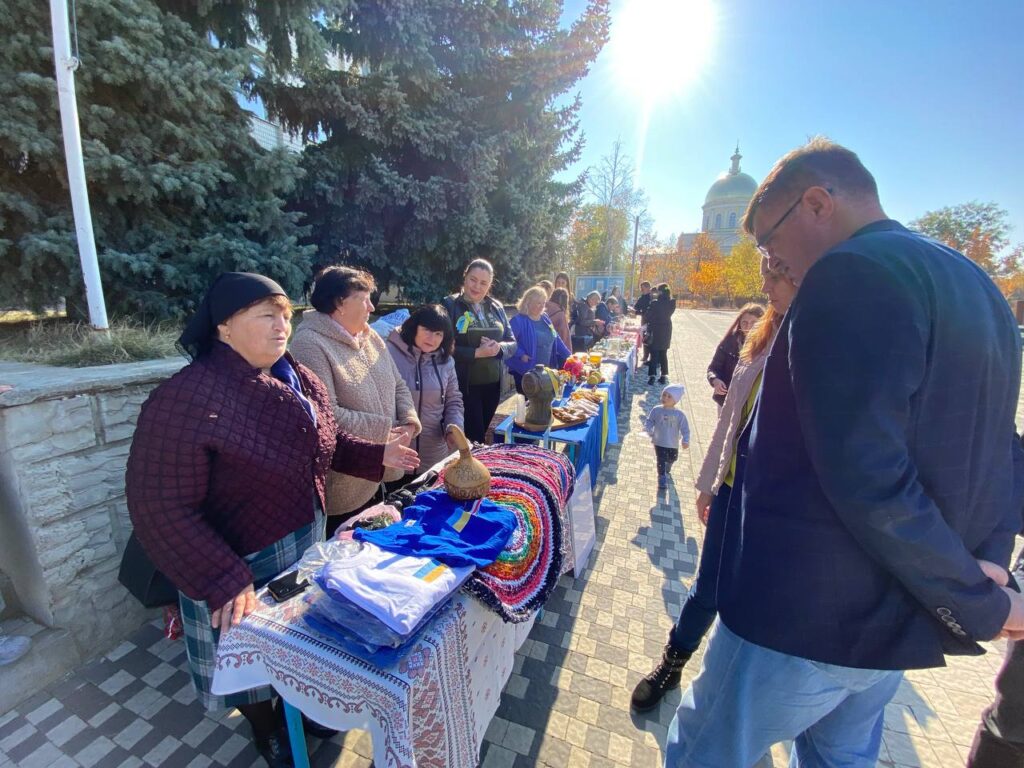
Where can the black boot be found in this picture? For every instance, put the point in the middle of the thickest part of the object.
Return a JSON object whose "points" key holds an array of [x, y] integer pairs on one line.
{"points": [[666, 676], [274, 748]]}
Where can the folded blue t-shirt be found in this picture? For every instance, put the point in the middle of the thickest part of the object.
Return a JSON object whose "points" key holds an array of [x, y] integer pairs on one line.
{"points": [[448, 530]]}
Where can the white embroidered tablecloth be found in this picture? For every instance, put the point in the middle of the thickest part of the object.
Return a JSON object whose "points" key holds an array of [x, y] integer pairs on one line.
{"points": [[431, 708]]}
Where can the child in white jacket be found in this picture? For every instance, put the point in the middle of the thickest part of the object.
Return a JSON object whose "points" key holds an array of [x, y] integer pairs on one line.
{"points": [[668, 428]]}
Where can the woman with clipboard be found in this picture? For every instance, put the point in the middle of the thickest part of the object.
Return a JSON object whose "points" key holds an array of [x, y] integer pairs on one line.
{"points": [[483, 337]]}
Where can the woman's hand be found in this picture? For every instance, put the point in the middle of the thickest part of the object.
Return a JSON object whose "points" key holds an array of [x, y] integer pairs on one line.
{"points": [[234, 610], [720, 387], [398, 456], [488, 347], [704, 506], [404, 433]]}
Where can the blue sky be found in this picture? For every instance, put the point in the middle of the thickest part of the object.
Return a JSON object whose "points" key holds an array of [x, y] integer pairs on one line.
{"points": [[929, 93]]}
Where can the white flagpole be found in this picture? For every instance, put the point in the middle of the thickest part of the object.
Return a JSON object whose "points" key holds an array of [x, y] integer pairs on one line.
{"points": [[66, 65]]}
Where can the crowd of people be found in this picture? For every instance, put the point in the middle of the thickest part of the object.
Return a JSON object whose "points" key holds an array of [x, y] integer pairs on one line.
{"points": [[861, 490], [258, 448]]}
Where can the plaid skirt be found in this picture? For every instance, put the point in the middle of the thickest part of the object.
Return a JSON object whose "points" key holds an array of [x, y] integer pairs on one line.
{"points": [[201, 638]]}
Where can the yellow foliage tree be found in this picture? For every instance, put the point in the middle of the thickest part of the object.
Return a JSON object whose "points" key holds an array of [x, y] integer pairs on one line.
{"points": [[743, 270], [664, 267], [708, 280], [705, 268]]}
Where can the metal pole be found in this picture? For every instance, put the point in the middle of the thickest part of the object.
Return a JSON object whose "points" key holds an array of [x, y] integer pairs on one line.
{"points": [[632, 271], [66, 65]]}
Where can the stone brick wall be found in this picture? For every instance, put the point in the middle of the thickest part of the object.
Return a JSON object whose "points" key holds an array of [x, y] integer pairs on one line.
{"points": [[64, 440]]}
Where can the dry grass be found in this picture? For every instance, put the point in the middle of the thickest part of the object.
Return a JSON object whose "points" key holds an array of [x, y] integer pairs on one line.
{"points": [[77, 345]]}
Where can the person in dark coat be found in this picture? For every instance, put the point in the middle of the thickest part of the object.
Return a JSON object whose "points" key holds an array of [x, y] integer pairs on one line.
{"points": [[879, 489], [728, 352], [226, 474], [478, 359], [659, 332], [640, 308]]}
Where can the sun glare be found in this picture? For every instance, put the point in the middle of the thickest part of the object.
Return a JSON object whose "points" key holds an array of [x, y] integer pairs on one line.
{"points": [[660, 47]]}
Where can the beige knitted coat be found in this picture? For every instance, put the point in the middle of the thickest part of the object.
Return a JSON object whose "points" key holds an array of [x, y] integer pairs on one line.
{"points": [[368, 393]]}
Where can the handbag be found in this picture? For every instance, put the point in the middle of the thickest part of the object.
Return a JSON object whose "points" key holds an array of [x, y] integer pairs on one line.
{"points": [[142, 579]]}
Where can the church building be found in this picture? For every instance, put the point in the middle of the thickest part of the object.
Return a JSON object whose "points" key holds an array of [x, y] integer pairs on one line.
{"points": [[724, 206]]}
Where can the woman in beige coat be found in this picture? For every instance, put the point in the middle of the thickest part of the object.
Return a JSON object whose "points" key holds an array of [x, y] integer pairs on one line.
{"points": [[369, 396]]}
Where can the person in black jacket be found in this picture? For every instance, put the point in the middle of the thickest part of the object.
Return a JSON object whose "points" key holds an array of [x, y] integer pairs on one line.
{"points": [[728, 352], [478, 359], [639, 308], [659, 331]]}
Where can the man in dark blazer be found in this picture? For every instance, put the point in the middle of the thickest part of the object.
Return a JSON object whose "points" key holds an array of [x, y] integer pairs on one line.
{"points": [[878, 484]]}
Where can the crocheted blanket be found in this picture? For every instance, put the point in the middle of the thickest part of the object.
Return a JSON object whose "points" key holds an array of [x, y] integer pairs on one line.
{"points": [[535, 484]]}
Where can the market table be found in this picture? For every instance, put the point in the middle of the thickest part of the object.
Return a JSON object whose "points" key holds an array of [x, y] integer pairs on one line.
{"points": [[585, 442], [432, 706]]}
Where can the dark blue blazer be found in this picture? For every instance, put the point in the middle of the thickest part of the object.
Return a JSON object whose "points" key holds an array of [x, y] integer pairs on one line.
{"points": [[881, 460]]}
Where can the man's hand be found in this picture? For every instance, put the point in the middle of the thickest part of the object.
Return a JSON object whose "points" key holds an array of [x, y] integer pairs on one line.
{"points": [[234, 610], [704, 506], [1013, 627]]}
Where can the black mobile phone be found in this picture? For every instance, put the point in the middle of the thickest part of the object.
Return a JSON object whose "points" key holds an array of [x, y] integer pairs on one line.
{"points": [[286, 586]]}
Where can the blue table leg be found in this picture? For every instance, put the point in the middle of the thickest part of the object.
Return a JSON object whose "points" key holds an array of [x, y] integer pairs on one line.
{"points": [[296, 735]]}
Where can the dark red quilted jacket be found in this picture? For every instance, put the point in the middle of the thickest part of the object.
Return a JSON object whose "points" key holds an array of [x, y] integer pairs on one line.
{"points": [[225, 462]]}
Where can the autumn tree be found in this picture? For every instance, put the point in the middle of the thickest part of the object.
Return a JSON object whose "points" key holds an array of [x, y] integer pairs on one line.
{"points": [[593, 226], [708, 280], [610, 189], [977, 230], [743, 270]]}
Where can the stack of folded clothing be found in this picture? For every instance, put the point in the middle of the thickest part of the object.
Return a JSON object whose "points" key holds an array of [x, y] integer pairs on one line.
{"points": [[376, 601]]}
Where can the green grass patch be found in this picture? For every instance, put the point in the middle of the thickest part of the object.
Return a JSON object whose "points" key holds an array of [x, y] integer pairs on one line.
{"points": [[77, 345]]}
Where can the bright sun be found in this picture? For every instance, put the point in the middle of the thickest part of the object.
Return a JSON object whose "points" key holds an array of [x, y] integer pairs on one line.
{"points": [[660, 47]]}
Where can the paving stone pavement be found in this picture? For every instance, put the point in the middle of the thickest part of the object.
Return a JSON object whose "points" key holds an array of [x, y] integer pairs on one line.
{"points": [[567, 702]]}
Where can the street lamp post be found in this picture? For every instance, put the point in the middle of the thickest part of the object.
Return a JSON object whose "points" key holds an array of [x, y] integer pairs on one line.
{"points": [[632, 271]]}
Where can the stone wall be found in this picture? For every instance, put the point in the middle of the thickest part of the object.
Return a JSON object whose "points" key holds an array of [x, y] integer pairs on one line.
{"points": [[64, 440]]}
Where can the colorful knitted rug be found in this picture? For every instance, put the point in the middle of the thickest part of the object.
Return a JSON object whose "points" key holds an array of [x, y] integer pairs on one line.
{"points": [[535, 484]]}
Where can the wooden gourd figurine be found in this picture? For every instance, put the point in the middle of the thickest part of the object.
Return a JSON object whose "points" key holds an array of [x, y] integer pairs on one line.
{"points": [[466, 477], [539, 386]]}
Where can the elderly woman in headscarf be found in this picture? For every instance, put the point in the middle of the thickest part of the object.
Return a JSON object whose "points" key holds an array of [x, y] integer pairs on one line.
{"points": [[226, 474]]}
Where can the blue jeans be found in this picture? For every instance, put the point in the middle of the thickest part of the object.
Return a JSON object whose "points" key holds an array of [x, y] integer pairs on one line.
{"points": [[747, 698], [701, 607]]}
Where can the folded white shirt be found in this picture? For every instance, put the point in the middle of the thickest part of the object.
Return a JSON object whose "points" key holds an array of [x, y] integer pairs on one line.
{"points": [[398, 589]]}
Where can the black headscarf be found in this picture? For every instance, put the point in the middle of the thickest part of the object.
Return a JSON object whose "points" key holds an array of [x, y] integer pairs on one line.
{"points": [[230, 292]]}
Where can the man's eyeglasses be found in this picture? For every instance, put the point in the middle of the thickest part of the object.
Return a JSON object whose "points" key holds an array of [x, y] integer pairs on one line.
{"points": [[762, 243]]}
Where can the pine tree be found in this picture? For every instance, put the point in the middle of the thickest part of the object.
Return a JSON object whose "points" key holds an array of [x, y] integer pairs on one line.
{"points": [[436, 130], [179, 189]]}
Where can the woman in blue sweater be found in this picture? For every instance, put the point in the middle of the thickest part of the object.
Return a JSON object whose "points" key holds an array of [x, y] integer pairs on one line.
{"points": [[537, 340]]}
